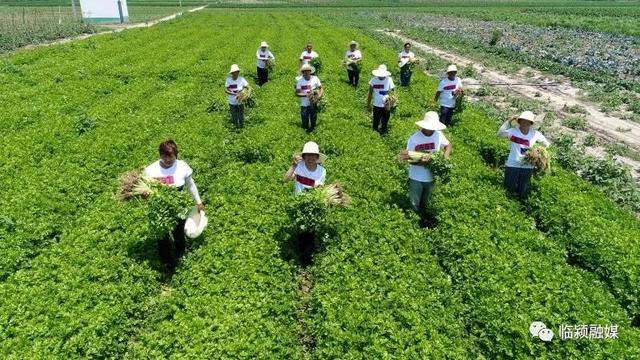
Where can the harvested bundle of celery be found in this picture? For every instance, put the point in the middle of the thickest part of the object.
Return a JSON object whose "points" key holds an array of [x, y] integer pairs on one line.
{"points": [[316, 99], [308, 211], [391, 102], [439, 166], [271, 63], [244, 97], [317, 64], [539, 157]]}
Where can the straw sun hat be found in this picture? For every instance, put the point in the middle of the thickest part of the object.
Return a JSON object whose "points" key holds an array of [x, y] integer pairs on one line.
{"points": [[234, 68], [431, 121], [313, 148], [381, 71]]}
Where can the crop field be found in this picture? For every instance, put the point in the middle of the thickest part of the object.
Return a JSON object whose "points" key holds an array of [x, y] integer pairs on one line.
{"points": [[80, 276]]}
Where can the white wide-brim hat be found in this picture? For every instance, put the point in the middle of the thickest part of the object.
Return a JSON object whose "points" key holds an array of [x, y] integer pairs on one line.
{"points": [[527, 115], [234, 68], [431, 121], [264, 44], [313, 148], [196, 223], [307, 67], [452, 68], [353, 42], [381, 71]]}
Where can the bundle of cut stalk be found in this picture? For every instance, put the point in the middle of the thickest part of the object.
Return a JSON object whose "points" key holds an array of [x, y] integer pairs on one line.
{"points": [[539, 157], [244, 95], [350, 64], [134, 184], [410, 64], [334, 195], [314, 96], [390, 102], [439, 166], [271, 63]]}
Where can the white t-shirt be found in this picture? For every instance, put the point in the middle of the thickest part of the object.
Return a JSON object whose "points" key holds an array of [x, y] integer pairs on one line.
{"points": [[427, 144], [263, 56], [235, 86], [381, 90], [306, 57], [520, 143], [176, 175], [353, 55], [306, 86], [404, 56], [306, 179], [446, 88]]}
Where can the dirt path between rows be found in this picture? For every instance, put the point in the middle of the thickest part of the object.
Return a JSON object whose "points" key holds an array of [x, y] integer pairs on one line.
{"points": [[558, 96], [115, 29]]}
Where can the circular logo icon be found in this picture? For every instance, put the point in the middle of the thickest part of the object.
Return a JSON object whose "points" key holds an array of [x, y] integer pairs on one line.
{"points": [[546, 335], [535, 328]]}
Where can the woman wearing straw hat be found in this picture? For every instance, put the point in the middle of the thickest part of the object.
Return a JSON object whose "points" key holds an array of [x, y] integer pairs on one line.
{"points": [[306, 86], [233, 86], [522, 137], [308, 54], [306, 169], [448, 91], [264, 57], [353, 57], [380, 87], [428, 140], [405, 57], [176, 173]]}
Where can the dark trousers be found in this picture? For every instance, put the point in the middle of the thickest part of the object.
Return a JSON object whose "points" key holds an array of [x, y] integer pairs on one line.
{"points": [[380, 119], [405, 77], [446, 114], [263, 75], [309, 115], [516, 180], [354, 77], [171, 246], [237, 114]]}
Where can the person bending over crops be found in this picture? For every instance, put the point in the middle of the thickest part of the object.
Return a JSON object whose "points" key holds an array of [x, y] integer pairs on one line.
{"points": [[238, 90], [352, 61], [380, 90], [308, 56], [175, 173], [306, 169], [406, 58], [523, 137], [448, 91], [265, 61], [309, 89], [428, 140]]}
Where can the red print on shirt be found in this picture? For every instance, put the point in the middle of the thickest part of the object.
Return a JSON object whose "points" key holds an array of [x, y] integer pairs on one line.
{"points": [[378, 86], [307, 57], [425, 146], [305, 180], [450, 87], [167, 180], [520, 141]]}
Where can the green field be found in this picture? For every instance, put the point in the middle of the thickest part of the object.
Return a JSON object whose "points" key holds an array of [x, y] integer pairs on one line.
{"points": [[79, 275]]}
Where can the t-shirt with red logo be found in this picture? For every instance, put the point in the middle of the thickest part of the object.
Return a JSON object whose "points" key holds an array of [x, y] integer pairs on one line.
{"points": [[235, 86], [306, 86], [306, 179], [263, 56], [426, 144], [520, 143], [446, 88], [381, 89], [306, 56], [176, 175], [404, 57]]}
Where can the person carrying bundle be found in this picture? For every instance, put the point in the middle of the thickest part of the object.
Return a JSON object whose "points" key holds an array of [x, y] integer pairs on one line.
{"points": [[405, 60], [306, 169], [428, 140], [309, 89], [238, 90], [380, 88], [517, 171], [265, 61], [175, 173], [352, 62], [309, 56], [448, 91]]}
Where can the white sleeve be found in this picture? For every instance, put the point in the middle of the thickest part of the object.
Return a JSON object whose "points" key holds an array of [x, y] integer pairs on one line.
{"points": [[441, 86], [258, 54], [459, 82], [543, 139], [504, 130], [271, 55], [245, 83], [318, 83], [193, 190], [302, 55], [322, 178], [371, 82], [391, 84], [443, 140], [410, 145]]}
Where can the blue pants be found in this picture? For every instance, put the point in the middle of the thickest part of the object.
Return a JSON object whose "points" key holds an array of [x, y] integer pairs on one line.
{"points": [[309, 115], [446, 113], [419, 195], [380, 119], [516, 180], [405, 77], [237, 114]]}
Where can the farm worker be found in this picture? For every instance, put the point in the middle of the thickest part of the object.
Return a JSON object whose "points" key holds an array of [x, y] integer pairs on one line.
{"points": [[429, 140], [306, 84], [352, 59], [308, 54], [522, 137], [176, 173], [306, 169], [405, 57], [448, 91], [233, 86], [379, 88], [264, 56]]}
